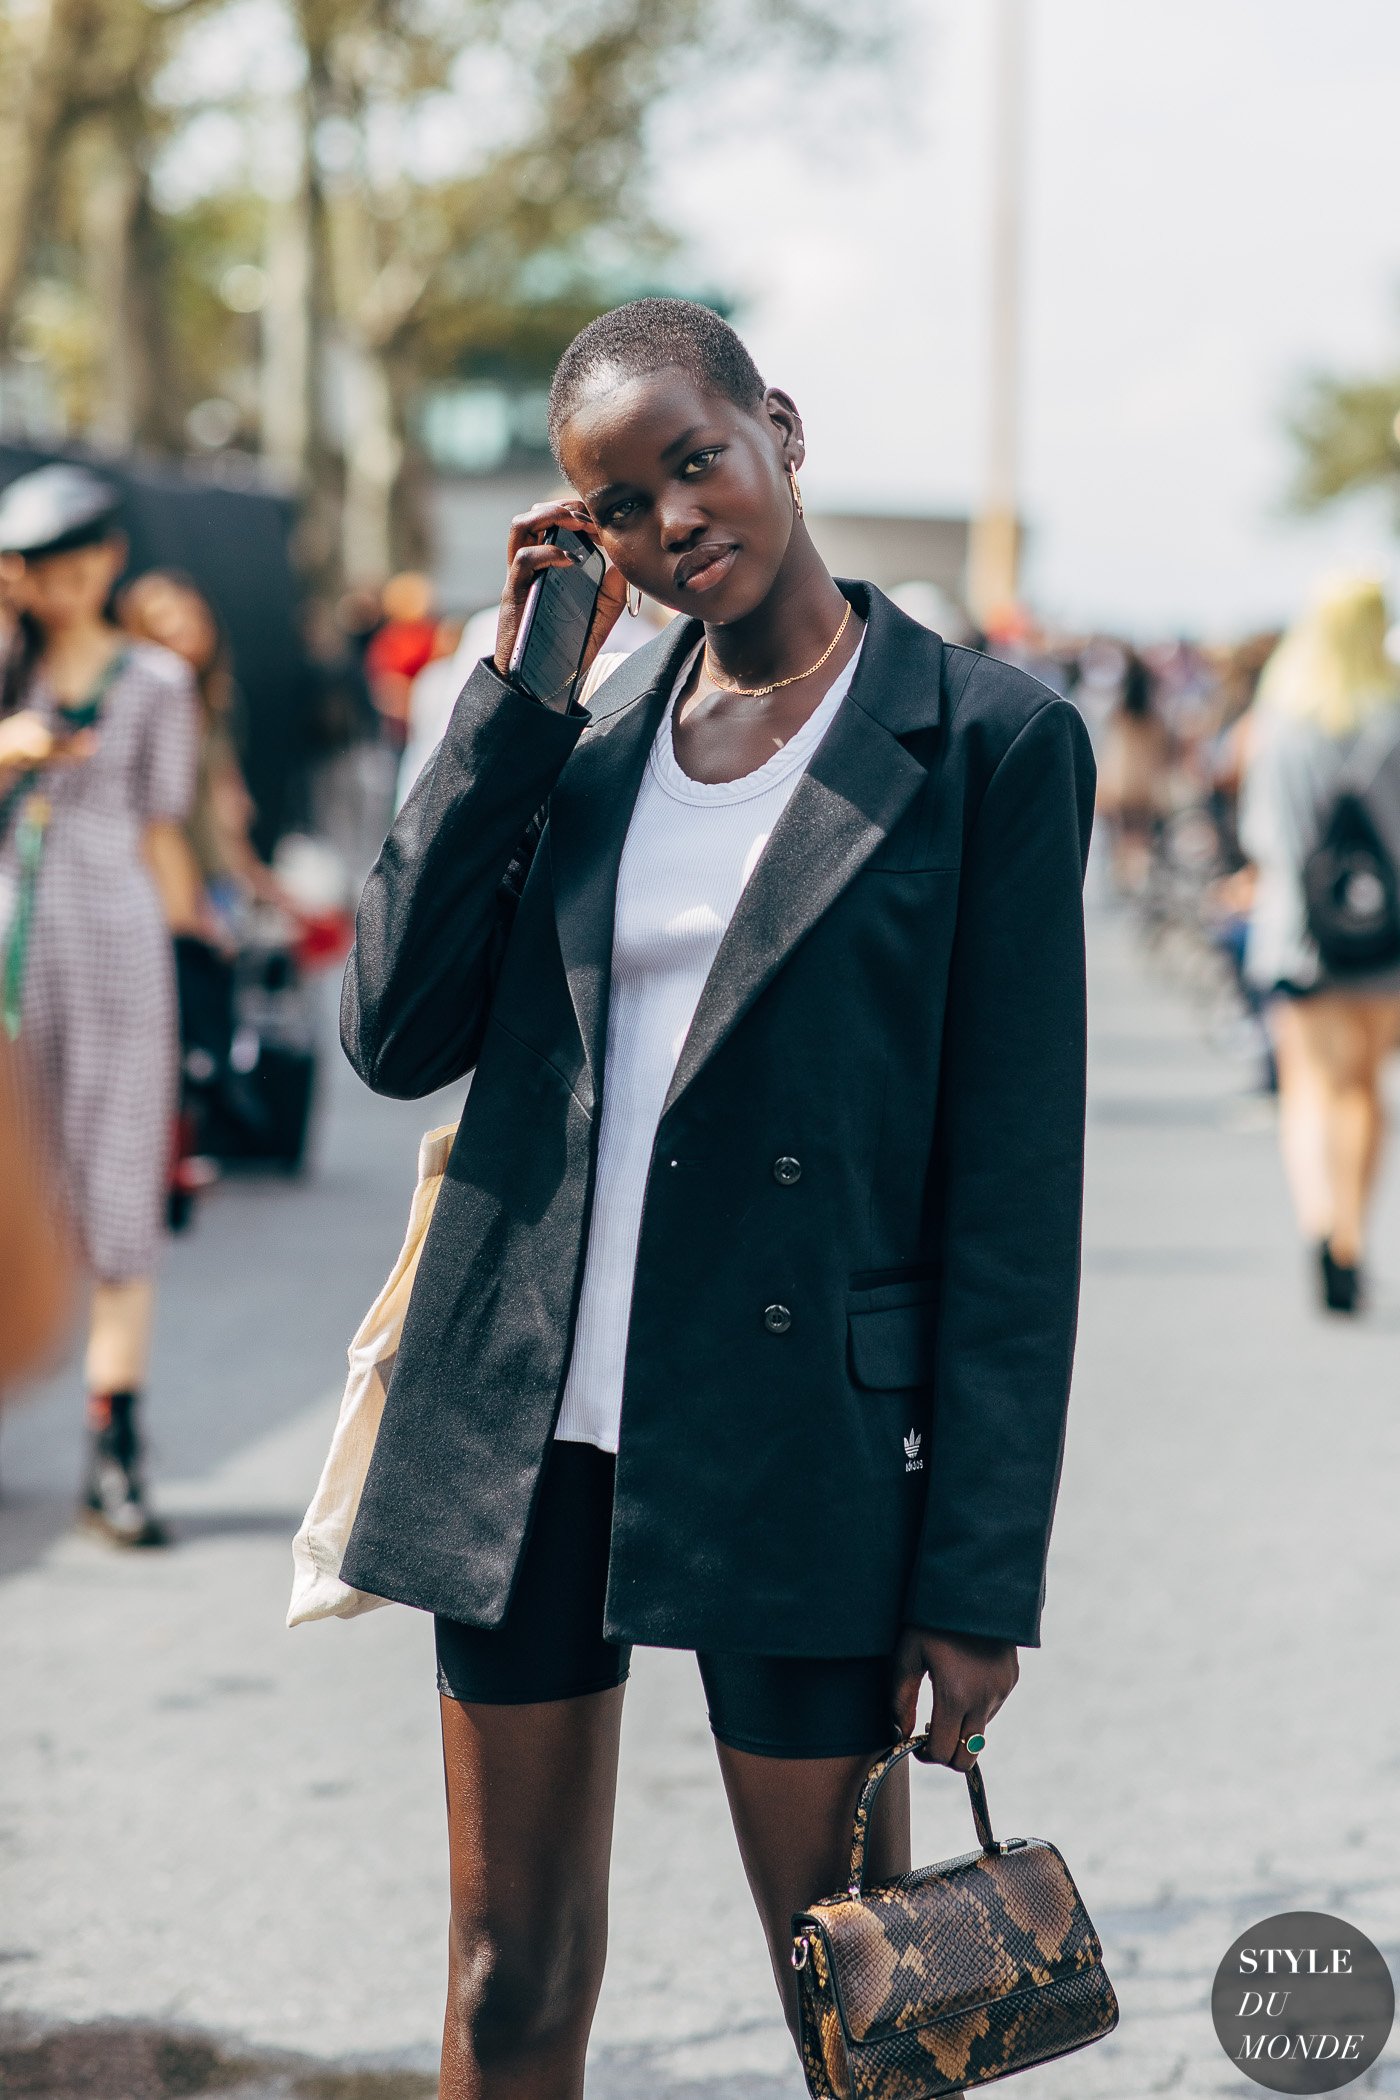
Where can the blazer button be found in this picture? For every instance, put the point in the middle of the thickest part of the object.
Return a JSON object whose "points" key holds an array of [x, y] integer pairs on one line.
{"points": [[777, 1319], [787, 1170]]}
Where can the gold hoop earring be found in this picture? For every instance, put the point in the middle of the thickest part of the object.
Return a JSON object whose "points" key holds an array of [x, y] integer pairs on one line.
{"points": [[634, 599], [796, 491]]}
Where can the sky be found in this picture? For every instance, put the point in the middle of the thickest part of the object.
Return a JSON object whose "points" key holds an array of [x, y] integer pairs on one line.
{"points": [[1211, 212]]}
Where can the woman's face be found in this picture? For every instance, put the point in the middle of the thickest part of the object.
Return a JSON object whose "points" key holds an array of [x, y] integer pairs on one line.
{"points": [[176, 617], [690, 494], [69, 589]]}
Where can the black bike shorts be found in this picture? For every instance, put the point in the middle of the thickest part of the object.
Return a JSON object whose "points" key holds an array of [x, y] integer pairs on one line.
{"points": [[550, 1644]]}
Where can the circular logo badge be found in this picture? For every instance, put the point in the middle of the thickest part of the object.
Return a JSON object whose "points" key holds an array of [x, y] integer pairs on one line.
{"points": [[1303, 2003]]}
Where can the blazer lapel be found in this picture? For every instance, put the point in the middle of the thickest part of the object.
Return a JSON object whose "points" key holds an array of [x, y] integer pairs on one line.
{"points": [[858, 785], [588, 817], [860, 782]]}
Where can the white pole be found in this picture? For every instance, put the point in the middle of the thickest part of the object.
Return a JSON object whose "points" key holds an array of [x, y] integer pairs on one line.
{"points": [[993, 553]]}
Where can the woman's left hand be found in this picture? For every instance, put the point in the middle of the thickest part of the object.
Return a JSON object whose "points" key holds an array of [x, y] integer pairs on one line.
{"points": [[972, 1679]]}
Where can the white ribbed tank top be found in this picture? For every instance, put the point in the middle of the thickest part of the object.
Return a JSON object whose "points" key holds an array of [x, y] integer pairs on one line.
{"points": [[691, 846]]}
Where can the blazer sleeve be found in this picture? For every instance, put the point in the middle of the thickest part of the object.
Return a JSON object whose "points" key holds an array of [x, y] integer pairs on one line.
{"points": [[1009, 1182], [428, 932]]}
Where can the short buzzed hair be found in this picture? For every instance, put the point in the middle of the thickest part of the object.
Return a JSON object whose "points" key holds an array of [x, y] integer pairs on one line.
{"points": [[644, 336]]}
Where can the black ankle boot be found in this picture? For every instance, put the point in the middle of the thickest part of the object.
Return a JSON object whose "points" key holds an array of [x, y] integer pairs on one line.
{"points": [[114, 1491], [1341, 1282]]}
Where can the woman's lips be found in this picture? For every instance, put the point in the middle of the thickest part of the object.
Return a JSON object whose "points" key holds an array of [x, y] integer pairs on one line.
{"points": [[703, 569]]}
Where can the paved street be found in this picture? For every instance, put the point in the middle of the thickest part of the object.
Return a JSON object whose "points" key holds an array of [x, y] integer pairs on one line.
{"points": [[226, 1838]]}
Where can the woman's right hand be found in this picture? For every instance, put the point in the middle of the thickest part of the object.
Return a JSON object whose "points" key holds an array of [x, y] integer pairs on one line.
{"points": [[529, 554], [26, 742]]}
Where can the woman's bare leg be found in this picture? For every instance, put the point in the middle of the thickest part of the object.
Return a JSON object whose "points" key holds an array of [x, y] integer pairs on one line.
{"points": [[1347, 1040], [1356, 1130], [1382, 1018], [1386, 1019], [792, 1817], [119, 1335], [1302, 1121], [530, 1792]]}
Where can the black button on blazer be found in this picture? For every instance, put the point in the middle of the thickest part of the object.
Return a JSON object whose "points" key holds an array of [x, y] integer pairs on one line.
{"points": [[898, 1005]]}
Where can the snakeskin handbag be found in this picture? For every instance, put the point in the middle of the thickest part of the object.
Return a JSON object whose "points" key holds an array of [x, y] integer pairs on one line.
{"points": [[951, 1976]]}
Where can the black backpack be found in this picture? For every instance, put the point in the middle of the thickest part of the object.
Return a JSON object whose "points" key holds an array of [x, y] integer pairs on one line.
{"points": [[1351, 879]]}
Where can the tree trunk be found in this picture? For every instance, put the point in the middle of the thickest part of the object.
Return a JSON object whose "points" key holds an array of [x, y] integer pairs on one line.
{"points": [[320, 532], [285, 380], [110, 187], [373, 454], [157, 398]]}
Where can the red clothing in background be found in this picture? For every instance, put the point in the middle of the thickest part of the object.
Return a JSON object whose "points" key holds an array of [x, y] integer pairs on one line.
{"points": [[401, 648], [393, 660]]}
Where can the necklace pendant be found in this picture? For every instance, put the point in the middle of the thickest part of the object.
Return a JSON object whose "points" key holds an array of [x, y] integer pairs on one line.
{"points": [[761, 692]]}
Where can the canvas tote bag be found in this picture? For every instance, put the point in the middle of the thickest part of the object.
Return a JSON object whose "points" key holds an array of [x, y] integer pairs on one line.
{"points": [[319, 1546]]}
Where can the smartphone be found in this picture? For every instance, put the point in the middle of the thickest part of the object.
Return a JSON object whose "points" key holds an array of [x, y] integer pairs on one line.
{"points": [[555, 624]]}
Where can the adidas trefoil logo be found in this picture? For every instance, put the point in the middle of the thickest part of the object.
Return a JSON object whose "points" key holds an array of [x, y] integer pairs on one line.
{"points": [[913, 1462]]}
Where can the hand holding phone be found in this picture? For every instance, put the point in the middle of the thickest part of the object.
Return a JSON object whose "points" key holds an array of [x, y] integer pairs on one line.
{"points": [[559, 604]]}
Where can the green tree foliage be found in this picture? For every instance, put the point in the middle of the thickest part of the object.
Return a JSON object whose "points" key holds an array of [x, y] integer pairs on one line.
{"points": [[458, 185], [1347, 432], [82, 256]]}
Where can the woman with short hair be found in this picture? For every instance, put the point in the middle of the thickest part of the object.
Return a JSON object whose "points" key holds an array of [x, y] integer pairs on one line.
{"points": [[745, 1319]]}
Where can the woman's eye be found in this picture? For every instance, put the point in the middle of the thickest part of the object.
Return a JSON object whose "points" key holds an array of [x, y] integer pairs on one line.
{"points": [[699, 461], [618, 513]]}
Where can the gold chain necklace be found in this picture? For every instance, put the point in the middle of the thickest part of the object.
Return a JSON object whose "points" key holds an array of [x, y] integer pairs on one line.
{"points": [[761, 692]]}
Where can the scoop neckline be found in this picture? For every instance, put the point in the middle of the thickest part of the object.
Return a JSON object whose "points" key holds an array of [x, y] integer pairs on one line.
{"points": [[47, 694], [672, 776]]}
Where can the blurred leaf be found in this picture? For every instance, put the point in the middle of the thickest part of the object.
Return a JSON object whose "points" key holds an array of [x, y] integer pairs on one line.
{"points": [[1345, 433]]}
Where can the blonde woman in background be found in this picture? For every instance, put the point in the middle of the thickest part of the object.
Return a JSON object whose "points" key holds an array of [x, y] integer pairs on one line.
{"points": [[1329, 681]]}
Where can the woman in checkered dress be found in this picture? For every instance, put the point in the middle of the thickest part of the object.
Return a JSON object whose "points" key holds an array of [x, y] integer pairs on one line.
{"points": [[93, 866]]}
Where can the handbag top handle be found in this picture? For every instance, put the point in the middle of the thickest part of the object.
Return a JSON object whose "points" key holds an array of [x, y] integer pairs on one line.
{"points": [[916, 1746]]}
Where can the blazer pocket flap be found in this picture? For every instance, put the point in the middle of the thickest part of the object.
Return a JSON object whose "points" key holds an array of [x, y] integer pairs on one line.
{"points": [[891, 1345]]}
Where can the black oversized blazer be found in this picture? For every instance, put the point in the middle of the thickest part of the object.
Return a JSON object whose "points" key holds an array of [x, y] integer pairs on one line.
{"points": [[846, 1382]]}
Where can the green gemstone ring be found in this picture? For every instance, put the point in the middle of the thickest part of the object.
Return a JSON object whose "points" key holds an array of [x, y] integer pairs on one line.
{"points": [[973, 1744]]}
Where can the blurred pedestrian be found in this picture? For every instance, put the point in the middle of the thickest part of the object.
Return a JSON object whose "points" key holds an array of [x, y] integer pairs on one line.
{"points": [[1330, 696], [347, 775], [404, 642], [733, 1330], [1134, 776], [437, 685], [98, 747], [358, 617], [1225, 751], [167, 607], [434, 695]]}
